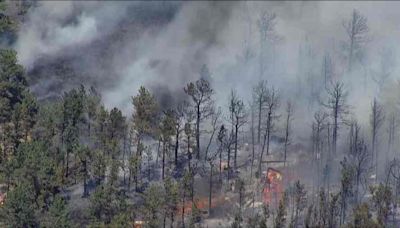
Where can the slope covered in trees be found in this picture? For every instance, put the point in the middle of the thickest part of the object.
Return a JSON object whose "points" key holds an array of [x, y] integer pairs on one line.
{"points": [[262, 158]]}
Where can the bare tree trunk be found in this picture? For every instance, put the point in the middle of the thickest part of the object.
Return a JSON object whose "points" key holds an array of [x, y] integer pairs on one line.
{"points": [[198, 132], [210, 192], [236, 145], [328, 161], [183, 209], [220, 164], [129, 179], [172, 219], [192, 187], [163, 160], [262, 152], [229, 160], [335, 127], [123, 158], [259, 122], [164, 219], [252, 144], [289, 110], [313, 152], [158, 151], [188, 151], [67, 164], [85, 190], [376, 122], [268, 130], [136, 179], [351, 51], [176, 146]]}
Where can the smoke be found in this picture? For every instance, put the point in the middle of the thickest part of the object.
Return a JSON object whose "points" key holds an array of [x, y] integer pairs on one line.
{"points": [[64, 44], [54, 27], [119, 46]]}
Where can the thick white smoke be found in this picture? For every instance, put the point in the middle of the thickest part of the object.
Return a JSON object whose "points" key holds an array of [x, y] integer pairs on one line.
{"points": [[52, 28], [118, 46]]}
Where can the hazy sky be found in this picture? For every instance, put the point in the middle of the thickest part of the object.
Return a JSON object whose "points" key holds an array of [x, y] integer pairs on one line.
{"points": [[118, 46]]}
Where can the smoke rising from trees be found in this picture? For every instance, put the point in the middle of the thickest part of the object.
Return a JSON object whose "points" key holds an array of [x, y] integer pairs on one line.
{"points": [[163, 45]]}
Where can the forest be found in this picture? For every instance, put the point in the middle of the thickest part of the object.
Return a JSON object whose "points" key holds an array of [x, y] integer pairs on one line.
{"points": [[199, 114]]}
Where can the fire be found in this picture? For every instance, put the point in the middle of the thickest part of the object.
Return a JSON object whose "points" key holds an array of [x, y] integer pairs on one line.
{"points": [[272, 186], [201, 204], [138, 224]]}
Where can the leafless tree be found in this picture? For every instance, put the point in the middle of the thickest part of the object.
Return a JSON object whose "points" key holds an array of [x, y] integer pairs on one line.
{"points": [[222, 143], [188, 129], [356, 29], [376, 121], [214, 127], [252, 107], [289, 118], [211, 158], [272, 104], [230, 141], [319, 126], [359, 157], [393, 178], [327, 70], [238, 119], [166, 132], [266, 26], [308, 72], [338, 108], [179, 115], [392, 129], [247, 52], [201, 94], [259, 98]]}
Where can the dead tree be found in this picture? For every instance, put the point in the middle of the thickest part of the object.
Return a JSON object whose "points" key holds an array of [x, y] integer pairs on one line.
{"points": [[272, 104], [211, 161], [230, 140], [259, 98], [356, 29], [266, 26], [221, 139], [252, 139], [188, 129], [327, 70], [238, 119], [179, 115], [392, 128], [376, 121], [346, 187], [214, 127], [166, 132], [393, 178], [338, 108], [319, 126], [289, 118], [201, 95], [359, 157]]}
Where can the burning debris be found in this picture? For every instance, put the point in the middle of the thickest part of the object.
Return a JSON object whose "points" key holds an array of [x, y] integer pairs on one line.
{"points": [[212, 114], [273, 186]]}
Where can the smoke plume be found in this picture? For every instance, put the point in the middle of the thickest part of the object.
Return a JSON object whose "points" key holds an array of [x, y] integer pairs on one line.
{"points": [[119, 46]]}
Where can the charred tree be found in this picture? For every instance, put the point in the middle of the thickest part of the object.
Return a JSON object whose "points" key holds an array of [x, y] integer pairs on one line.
{"points": [[272, 106], [356, 29], [376, 121], [201, 95]]}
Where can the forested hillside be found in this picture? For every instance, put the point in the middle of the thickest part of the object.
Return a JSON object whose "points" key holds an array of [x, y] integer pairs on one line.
{"points": [[92, 135]]}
